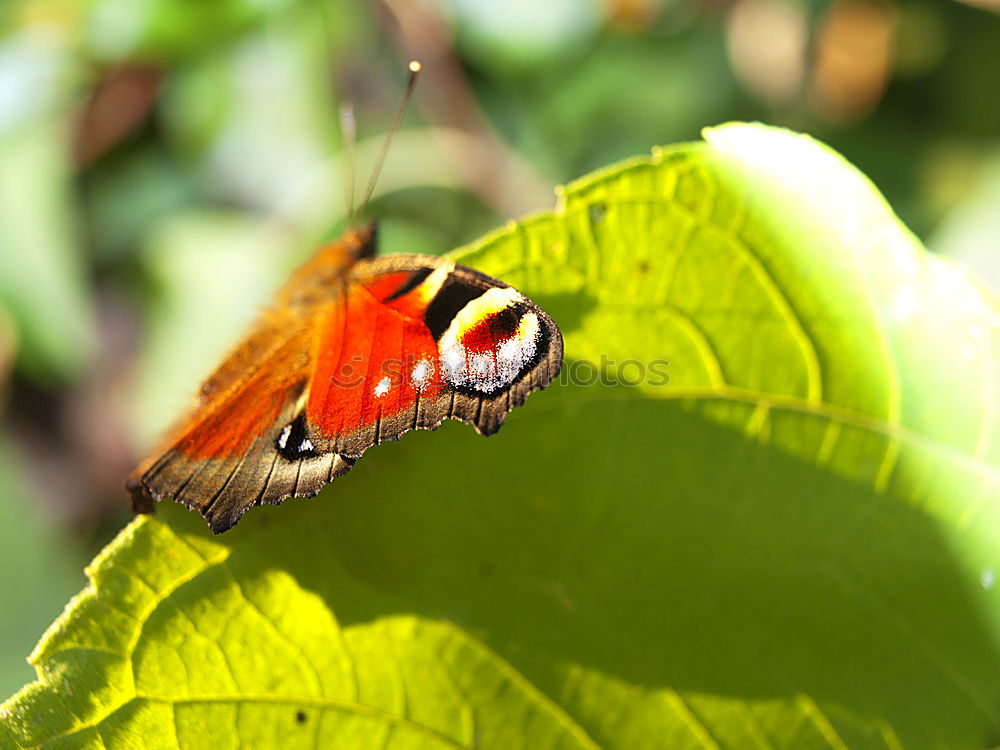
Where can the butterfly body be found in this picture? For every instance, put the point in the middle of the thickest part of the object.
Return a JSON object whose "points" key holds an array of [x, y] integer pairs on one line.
{"points": [[354, 351]]}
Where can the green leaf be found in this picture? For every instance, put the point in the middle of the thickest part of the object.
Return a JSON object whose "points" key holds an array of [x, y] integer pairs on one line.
{"points": [[792, 543]]}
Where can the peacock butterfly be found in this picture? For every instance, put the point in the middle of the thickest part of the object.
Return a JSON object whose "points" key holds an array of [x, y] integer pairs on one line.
{"points": [[355, 350]]}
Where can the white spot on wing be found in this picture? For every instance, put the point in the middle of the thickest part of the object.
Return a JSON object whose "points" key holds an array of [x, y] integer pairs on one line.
{"points": [[508, 350], [453, 362], [421, 374], [283, 438], [306, 446], [383, 387], [481, 366]]}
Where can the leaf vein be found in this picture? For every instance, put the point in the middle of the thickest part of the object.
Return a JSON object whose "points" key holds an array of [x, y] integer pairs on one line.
{"points": [[819, 719], [308, 666]]}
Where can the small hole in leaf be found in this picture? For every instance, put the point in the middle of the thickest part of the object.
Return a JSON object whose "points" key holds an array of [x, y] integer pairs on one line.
{"points": [[597, 212], [300, 717]]}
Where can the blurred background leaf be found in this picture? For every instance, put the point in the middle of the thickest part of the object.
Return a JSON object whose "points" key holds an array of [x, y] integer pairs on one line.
{"points": [[162, 162]]}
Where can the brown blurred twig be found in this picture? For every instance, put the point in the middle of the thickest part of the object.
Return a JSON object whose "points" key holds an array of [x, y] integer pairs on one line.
{"points": [[117, 105]]}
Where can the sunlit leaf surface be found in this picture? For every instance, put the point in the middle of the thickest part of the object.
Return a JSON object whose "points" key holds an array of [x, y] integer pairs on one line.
{"points": [[759, 510]]}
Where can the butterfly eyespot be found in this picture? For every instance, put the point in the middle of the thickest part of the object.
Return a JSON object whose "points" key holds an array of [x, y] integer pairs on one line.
{"points": [[490, 342]]}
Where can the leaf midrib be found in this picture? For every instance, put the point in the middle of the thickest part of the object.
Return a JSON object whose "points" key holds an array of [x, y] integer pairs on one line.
{"points": [[798, 404]]}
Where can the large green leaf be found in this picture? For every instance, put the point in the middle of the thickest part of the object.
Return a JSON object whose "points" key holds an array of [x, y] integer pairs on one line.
{"points": [[790, 544]]}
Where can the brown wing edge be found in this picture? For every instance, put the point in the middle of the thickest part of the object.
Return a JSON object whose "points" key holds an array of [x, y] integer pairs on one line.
{"points": [[250, 481], [223, 489]]}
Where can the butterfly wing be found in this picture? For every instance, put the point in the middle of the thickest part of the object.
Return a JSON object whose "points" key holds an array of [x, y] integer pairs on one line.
{"points": [[441, 341], [351, 355]]}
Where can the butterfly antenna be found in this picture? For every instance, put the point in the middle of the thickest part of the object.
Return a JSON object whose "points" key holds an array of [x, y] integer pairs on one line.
{"points": [[411, 83], [348, 135]]}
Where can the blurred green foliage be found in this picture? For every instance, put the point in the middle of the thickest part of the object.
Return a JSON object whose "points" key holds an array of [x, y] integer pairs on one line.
{"points": [[163, 163]]}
